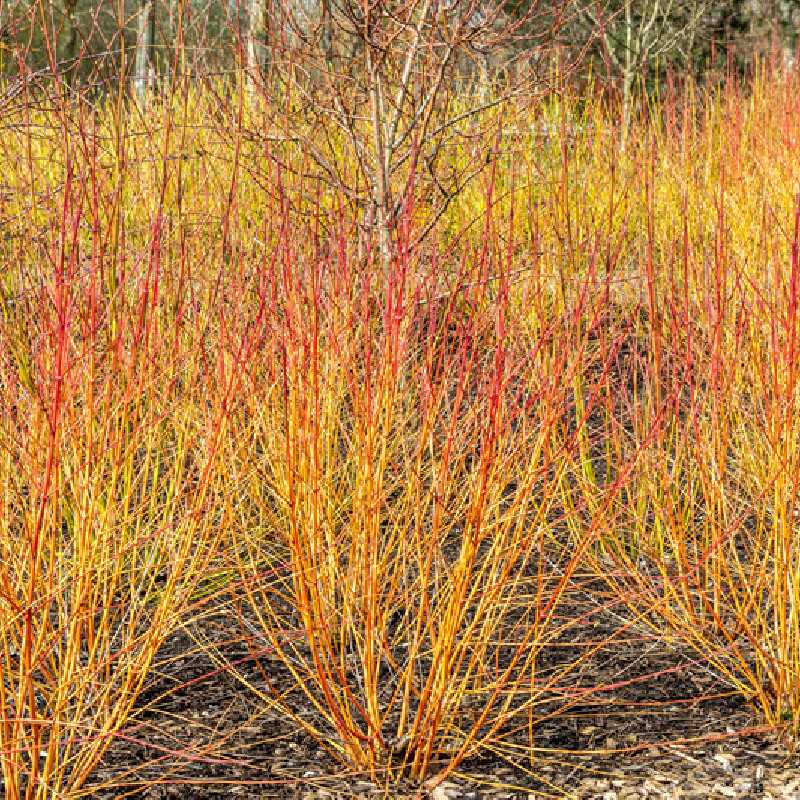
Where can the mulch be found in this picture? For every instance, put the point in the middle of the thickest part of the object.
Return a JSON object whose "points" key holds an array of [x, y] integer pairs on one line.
{"points": [[664, 728]]}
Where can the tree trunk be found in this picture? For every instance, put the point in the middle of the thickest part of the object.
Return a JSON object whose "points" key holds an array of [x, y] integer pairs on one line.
{"points": [[627, 78], [257, 45], [70, 53], [144, 47], [382, 158], [327, 34]]}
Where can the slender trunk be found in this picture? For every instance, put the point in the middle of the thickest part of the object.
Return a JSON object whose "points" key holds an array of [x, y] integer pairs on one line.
{"points": [[627, 99], [327, 34], [627, 78], [71, 47], [257, 44], [484, 77], [144, 47], [381, 157], [175, 36]]}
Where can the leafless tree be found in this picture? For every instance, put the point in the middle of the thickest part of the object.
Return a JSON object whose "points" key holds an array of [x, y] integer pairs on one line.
{"points": [[392, 82], [145, 40], [258, 37], [635, 33]]}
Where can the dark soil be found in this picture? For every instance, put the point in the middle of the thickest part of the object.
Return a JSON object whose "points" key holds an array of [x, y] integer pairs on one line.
{"points": [[199, 732]]}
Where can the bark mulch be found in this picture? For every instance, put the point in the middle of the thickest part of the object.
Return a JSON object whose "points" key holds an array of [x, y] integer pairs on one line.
{"points": [[665, 728]]}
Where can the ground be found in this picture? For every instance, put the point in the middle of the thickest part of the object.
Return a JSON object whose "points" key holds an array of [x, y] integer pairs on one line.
{"points": [[669, 730]]}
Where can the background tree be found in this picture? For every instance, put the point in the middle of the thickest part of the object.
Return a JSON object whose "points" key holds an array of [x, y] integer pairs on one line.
{"points": [[633, 36], [632, 41], [326, 43], [145, 40], [258, 39], [384, 85]]}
